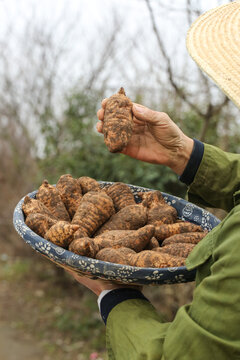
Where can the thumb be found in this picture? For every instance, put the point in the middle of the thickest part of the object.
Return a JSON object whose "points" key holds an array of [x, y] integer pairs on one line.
{"points": [[145, 114]]}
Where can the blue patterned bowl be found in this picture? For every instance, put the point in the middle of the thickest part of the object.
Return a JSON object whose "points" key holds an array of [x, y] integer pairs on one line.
{"points": [[124, 274]]}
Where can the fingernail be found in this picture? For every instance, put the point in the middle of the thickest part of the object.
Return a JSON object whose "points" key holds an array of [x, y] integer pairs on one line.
{"points": [[139, 109]]}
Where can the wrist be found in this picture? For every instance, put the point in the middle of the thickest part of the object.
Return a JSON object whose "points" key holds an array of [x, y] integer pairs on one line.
{"points": [[182, 156], [110, 287], [106, 287]]}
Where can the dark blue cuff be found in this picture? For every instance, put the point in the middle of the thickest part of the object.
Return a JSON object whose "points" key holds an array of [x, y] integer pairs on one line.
{"points": [[115, 297], [190, 170]]}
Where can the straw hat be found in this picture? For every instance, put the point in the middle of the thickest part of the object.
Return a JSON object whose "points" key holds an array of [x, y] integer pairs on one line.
{"points": [[213, 41]]}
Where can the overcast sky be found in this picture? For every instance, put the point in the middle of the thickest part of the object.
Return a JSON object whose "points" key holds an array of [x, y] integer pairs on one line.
{"points": [[93, 21], [90, 11]]}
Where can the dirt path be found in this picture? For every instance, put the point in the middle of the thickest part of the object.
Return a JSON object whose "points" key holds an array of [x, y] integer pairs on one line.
{"points": [[13, 348]]}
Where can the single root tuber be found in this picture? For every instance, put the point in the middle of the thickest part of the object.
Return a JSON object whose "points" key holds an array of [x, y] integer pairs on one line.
{"points": [[133, 239], [118, 121], [178, 249], [154, 259], [35, 206], [191, 237], [131, 217], [95, 208], [151, 198], [88, 184], [166, 230], [84, 247], [39, 223], [61, 233], [118, 256], [70, 192], [121, 195], [50, 197], [162, 214]]}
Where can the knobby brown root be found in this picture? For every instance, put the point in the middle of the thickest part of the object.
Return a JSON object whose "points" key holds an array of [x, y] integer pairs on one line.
{"points": [[162, 214], [50, 197], [151, 198], [131, 217], [70, 192], [149, 258], [88, 184], [80, 233], [95, 208], [133, 239], [84, 247], [166, 230], [118, 256], [39, 223], [35, 206], [178, 249], [61, 233], [191, 237], [121, 195], [118, 121]]}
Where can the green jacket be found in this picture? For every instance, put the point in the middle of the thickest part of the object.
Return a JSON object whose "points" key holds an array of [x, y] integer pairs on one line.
{"points": [[209, 327]]}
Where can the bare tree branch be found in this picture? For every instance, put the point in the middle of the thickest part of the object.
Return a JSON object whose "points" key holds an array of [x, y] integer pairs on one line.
{"points": [[189, 11], [209, 110], [180, 92]]}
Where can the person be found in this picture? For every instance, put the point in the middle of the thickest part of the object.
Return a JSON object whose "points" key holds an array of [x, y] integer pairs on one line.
{"points": [[208, 327]]}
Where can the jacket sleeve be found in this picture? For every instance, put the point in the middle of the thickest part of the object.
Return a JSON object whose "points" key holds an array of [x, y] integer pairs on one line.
{"points": [[135, 331], [217, 179], [208, 328]]}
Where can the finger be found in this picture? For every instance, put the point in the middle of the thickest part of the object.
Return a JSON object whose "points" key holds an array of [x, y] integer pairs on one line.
{"points": [[99, 127], [138, 122], [104, 103], [145, 114], [100, 114]]}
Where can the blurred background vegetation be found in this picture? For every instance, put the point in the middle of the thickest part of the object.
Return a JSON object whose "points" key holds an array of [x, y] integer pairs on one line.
{"points": [[56, 65]]}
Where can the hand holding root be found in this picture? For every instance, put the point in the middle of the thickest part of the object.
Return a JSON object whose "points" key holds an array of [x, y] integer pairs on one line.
{"points": [[155, 138]]}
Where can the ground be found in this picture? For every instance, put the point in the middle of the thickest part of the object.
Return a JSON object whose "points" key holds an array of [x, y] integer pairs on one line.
{"points": [[46, 315], [14, 348]]}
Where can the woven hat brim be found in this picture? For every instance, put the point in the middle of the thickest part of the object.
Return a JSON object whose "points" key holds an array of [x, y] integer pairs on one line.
{"points": [[213, 41]]}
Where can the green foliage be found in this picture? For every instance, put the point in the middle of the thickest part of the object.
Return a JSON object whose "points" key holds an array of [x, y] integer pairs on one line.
{"points": [[15, 270], [192, 125], [222, 129], [74, 146], [79, 324]]}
